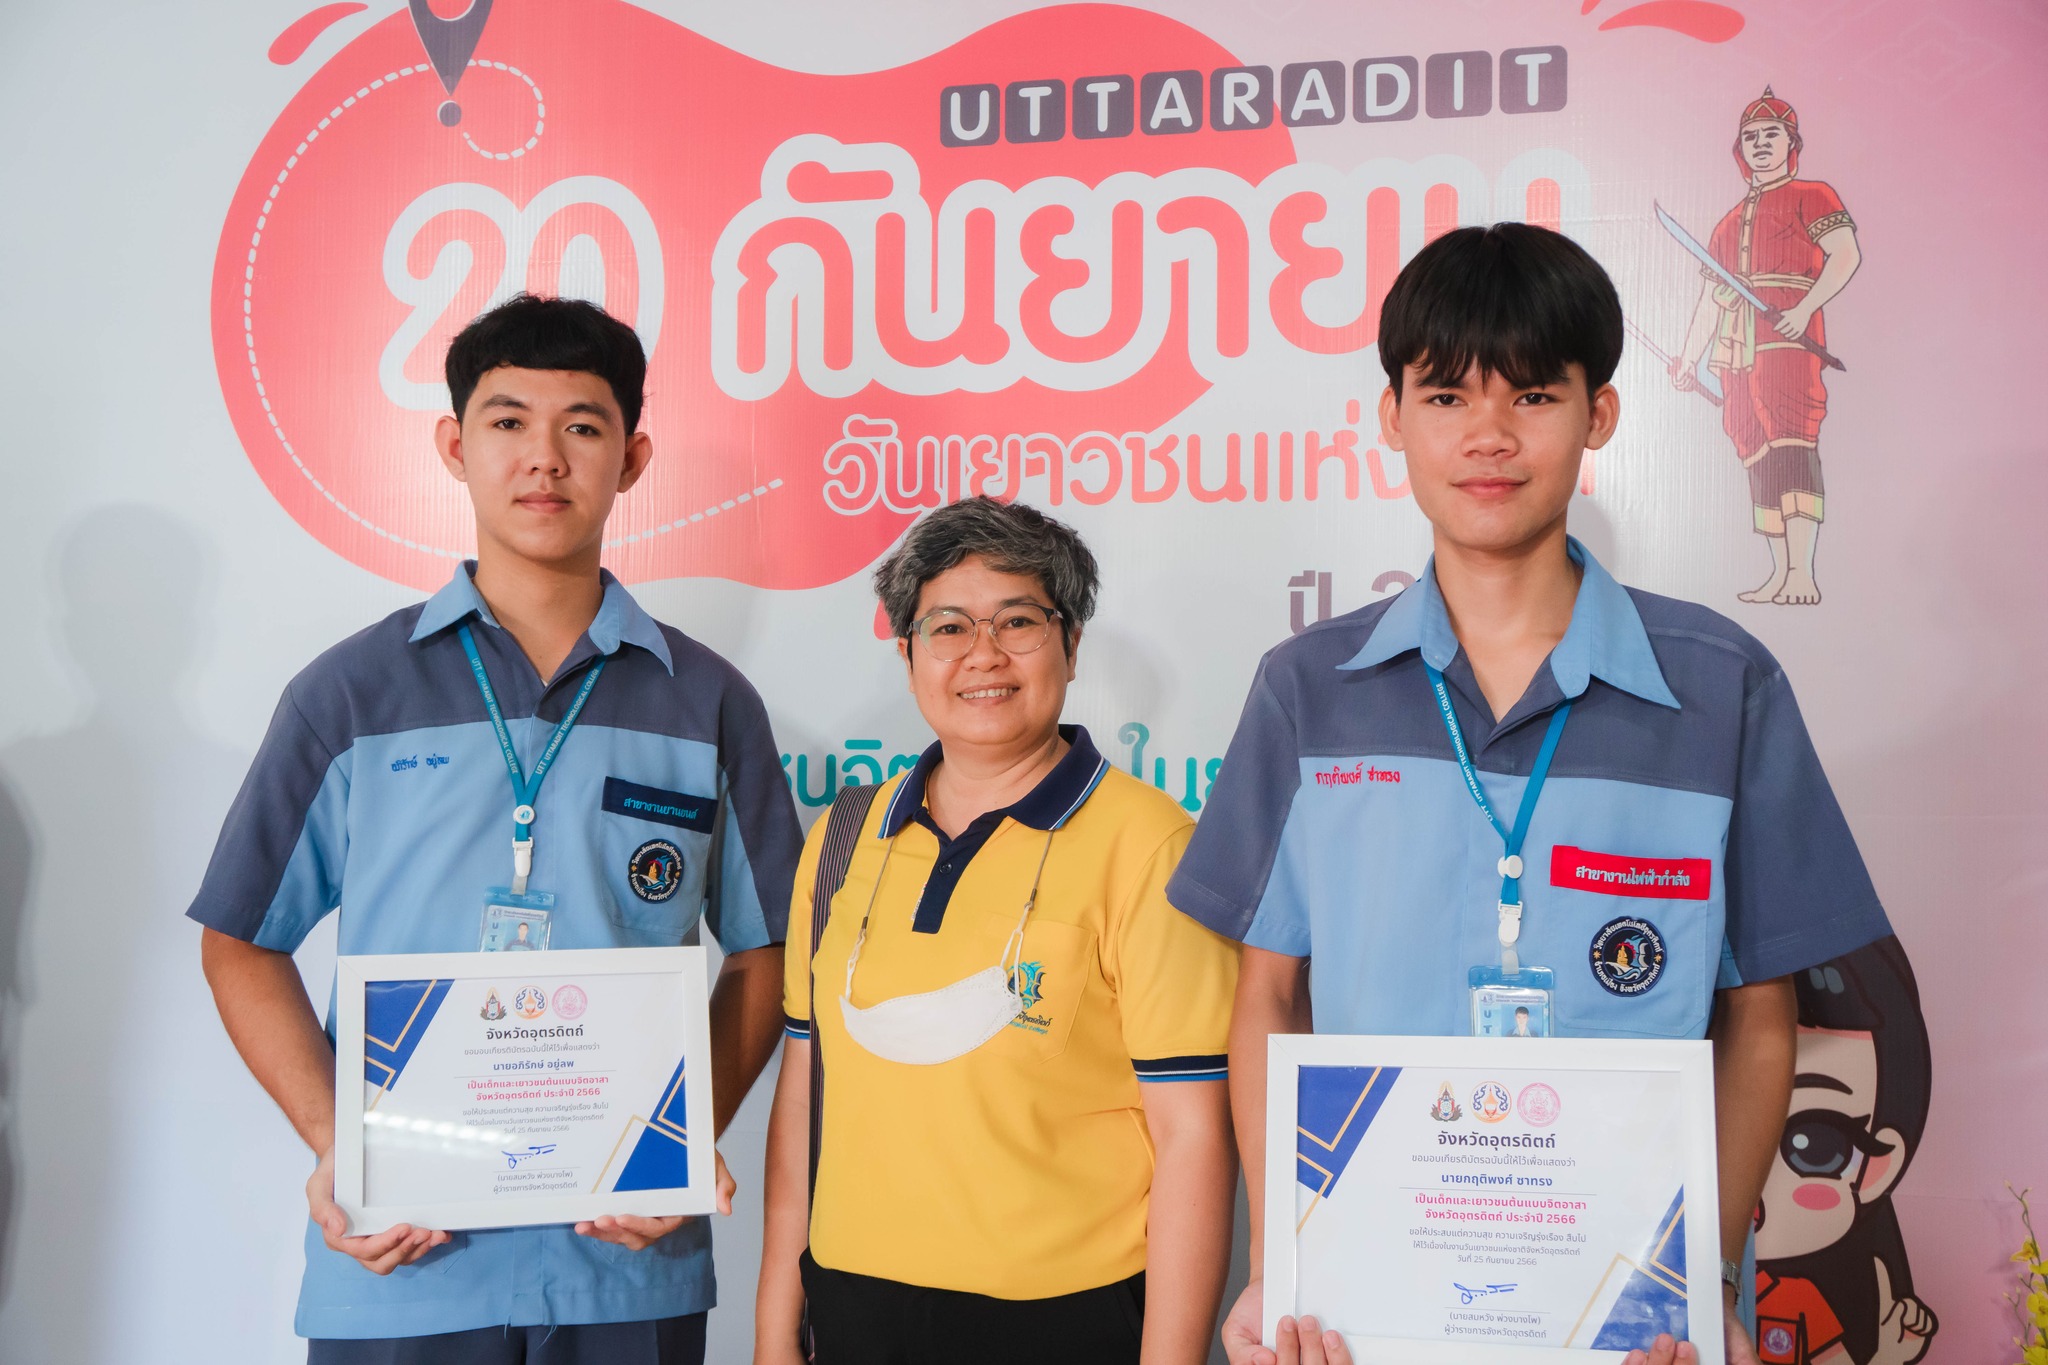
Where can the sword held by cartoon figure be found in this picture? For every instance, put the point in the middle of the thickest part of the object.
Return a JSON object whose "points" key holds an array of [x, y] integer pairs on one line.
{"points": [[1734, 281], [1666, 359]]}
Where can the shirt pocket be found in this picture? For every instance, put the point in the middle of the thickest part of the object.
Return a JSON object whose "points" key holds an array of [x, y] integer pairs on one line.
{"points": [[1056, 969], [1629, 966], [656, 846]]}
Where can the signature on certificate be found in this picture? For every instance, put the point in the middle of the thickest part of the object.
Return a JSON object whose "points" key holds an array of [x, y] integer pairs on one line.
{"points": [[1468, 1292], [512, 1159]]}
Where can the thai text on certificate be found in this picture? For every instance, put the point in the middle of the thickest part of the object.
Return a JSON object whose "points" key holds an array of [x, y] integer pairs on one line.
{"points": [[1534, 1207], [533, 1083]]}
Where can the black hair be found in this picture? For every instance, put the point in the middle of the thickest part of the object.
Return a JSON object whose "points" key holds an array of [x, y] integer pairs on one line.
{"points": [[1519, 301], [1012, 537], [1870, 990], [528, 332]]}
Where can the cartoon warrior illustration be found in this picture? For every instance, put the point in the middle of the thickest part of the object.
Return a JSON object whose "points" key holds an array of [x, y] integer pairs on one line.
{"points": [[1778, 258], [1832, 1284]]}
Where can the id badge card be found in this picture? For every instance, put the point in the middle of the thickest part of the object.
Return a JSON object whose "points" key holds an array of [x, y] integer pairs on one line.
{"points": [[1510, 1004], [515, 923]]}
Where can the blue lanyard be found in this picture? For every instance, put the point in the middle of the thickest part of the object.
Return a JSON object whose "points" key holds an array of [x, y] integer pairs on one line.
{"points": [[524, 788], [1511, 840]]}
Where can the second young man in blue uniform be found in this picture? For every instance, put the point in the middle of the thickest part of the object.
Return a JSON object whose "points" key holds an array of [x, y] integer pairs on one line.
{"points": [[1683, 854]]}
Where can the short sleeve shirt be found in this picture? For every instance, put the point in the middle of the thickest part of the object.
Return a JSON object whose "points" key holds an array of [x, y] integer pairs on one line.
{"points": [[1687, 837], [1022, 1169], [380, 792], [1794, 1323]]}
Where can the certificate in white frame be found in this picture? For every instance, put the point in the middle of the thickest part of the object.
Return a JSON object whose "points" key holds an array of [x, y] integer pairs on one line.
{"points": [[1393, 1132], [482, 1090]]}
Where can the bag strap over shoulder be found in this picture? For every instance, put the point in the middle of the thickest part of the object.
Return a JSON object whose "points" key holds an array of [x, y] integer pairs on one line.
{"points": [[842, 832]]}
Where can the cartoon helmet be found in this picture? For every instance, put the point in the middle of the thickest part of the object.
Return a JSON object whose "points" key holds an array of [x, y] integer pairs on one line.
{"points": [[1768, 106]]}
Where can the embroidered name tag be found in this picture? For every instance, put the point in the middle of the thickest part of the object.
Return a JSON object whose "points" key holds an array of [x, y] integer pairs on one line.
{"points": [[1680, 879], [664, 807]]}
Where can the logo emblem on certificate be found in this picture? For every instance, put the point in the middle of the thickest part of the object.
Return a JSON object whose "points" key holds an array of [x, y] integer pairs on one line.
{"points": [[1446, 1110], [1490, 1102], [1537, 1104]]}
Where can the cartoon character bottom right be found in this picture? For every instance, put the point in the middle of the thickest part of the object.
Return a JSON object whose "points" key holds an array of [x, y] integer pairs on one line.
{"points": [[1833, 1284]]}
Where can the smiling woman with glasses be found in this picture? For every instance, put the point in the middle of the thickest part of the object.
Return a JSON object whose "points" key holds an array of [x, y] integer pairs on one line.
{"points": [[1022, 1150]]}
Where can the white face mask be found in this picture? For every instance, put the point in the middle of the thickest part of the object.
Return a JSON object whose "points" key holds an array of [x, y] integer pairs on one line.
{"points": [[937, 1026]]}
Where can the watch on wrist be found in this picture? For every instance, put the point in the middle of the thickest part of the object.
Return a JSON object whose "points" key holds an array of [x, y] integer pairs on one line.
{"points": [[1731, 1275]]}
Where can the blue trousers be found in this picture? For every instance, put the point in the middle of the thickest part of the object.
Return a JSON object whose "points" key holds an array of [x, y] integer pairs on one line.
{"points": [[662, 1341]]}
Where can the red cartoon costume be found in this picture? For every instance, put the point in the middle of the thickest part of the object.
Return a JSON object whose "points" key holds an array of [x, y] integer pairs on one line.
{"points": [[1793, 1321], [1774, 396]]}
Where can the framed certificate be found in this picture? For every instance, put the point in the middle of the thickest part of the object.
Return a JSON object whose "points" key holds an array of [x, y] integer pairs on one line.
{"points": [[1497, 1199], [482, 1090]]}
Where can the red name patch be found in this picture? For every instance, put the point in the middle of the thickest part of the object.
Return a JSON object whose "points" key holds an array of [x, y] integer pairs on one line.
{"points": [[1681, 879], [1355, 774]]}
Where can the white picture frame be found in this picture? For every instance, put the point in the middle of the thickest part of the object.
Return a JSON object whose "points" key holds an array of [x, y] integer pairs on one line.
{"points": [[642, 1013], [1688, 1064]]}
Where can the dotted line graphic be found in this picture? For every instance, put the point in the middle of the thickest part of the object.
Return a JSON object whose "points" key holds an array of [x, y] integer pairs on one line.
{"points": [[540, 115], [680, 522], [249, 323]]}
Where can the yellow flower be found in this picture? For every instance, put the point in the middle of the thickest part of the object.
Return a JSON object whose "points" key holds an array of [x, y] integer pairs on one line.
{"points": [[2036, 1355]]}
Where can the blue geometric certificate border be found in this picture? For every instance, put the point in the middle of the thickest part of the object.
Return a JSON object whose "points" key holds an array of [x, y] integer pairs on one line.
{"points": [[1334, 1105], [660, 1157], [1652, 1298], [395, 1018]]}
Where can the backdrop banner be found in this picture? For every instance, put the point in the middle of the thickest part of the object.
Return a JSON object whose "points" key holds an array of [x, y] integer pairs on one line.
{"points": [[1126, 263]]}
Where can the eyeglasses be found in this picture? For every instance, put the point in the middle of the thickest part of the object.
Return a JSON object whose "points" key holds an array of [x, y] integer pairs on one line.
{"points": [[949, 633]]}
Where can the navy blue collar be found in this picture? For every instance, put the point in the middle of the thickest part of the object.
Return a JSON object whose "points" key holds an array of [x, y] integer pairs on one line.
{"points": [[1606, 638], [1046, 806], [619, 620]]}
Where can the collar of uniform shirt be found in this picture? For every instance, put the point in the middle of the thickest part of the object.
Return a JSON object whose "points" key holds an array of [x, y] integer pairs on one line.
{"points": [[1046, 806], [619, 620], [1605, 640]]}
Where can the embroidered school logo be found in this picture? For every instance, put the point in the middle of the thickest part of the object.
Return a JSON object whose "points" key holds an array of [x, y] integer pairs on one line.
{"points": [[570, 1002], [1490, 1102], [1628, 955], [494, 1008], [1538, 1105], [1028, 980], [655, 870], [531, 1002], [1446, 1109], [1778, 1343]]}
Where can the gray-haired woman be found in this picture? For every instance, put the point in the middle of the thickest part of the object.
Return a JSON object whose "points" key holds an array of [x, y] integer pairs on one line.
{"points": [[1025, 1152]]}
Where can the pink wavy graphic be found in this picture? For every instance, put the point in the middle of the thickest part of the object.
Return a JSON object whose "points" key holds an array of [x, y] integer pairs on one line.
{"points": [[318, 317]]}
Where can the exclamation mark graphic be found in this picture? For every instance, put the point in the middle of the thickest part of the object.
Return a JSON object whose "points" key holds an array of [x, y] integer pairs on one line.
{"points": [[449, 43]]}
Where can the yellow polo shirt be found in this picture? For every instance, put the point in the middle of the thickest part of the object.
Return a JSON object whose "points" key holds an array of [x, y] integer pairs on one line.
{"points": [[1022, 1169]]}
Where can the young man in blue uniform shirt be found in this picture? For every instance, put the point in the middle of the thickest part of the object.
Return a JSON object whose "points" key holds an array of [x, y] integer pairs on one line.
{"points": [[382, 791], [1682, 858]]}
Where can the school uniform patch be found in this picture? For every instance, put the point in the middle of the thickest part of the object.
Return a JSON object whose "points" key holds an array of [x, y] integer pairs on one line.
{"points": [[1628, 955], [655, 870]]}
